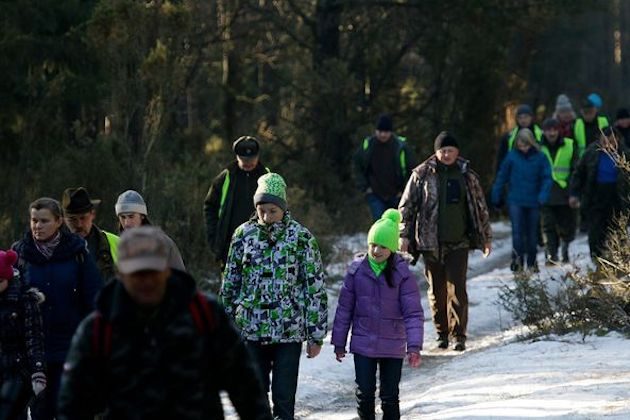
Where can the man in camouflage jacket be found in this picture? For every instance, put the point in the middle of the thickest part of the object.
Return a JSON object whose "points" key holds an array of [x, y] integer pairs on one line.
{"points": [[273, 287], [143, 355], [444, 214]]}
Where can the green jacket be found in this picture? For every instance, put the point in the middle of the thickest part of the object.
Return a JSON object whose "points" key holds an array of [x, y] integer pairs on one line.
{"points": [[218, 208], [273, 283], [159, 366], [404, 161]]}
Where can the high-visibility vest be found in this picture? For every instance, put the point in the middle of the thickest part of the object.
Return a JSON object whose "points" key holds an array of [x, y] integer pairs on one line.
{"points": [[537, 134], [112, 241], [561, 165], [402, 158], [579, 131]]}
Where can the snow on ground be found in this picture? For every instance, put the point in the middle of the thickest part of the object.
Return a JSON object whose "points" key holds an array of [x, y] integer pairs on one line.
{"points": [[498, 376]]}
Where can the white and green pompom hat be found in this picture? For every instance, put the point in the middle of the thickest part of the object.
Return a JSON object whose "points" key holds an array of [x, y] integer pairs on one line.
{"points": [[271, 189]]}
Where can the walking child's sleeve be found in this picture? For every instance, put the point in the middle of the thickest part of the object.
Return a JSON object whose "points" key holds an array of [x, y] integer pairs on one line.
{"points": [[33, 330], [233, 273], [413, 314], [344, 313], [315, 297]]}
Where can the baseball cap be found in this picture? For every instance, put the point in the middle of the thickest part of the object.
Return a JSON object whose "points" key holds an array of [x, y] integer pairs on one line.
{"points": [[142, 248]]}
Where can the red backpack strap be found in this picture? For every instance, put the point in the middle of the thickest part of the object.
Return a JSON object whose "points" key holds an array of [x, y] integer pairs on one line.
{"points": [[101, 336], [201, 313]]}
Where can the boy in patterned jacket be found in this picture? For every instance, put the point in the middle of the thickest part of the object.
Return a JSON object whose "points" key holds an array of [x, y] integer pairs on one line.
{"points": [[21, 341], [273, 287]]}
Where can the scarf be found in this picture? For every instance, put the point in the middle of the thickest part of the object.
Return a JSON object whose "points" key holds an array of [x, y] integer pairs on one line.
{"points": [[377, 267], [47, 248]]}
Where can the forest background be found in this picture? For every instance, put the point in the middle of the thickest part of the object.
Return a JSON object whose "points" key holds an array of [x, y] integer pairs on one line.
{"points": [[150, 95]]}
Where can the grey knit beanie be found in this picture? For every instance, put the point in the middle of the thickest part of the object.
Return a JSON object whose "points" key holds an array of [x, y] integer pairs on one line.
{"points": [[130, 202], [563, 103]]}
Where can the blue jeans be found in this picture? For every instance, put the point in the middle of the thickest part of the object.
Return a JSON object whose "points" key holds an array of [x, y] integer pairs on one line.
{"points": [[525, 226], [365, 373], [282, 361], [378, 205]]}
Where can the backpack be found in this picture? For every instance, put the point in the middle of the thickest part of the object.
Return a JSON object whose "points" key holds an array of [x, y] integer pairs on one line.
{"points": [[198, 307]]}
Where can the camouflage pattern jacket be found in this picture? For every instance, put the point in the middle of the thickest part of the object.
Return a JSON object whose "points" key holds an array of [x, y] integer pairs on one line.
{"points": [[419, 206], [21, 331], [159, 366], [273, 283]]}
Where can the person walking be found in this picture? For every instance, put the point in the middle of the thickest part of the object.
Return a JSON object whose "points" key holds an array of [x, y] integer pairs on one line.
{"points": [[156, 347], [58, 264], [444, 215], [622, 124], [565, 115], [22, 361], [229, 200], [79, 214], [380, 300], [524, 119], [601, 188], [559, 220], [132, 212], [383, 163], [273, 288], [527, 174], [588, 126]]}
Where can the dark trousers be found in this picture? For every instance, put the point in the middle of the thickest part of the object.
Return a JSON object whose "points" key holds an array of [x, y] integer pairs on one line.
{"points": [[15, 392], [365, 377], [379, 205], [601, 215], [448, 297], [525, 225], [559, 224], [44, 407], [282, 361]]}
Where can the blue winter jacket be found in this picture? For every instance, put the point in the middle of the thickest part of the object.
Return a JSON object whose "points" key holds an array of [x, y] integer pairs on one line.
{"points": [[528, 177], [69, 281]]}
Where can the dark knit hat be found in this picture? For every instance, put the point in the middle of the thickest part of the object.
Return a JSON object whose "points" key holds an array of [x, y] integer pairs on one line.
{"points": [[550, 123], [444, 139], [384, 123], [77, 201], [246, 146], [622, 113], [524, 109], [7, 259]]}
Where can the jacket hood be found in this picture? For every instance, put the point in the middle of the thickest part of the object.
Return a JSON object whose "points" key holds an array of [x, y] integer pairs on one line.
{"points": [[432, 163], [70, 245], [114, 303]]}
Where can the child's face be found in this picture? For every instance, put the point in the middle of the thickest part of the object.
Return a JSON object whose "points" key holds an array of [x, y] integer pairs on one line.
{"points": [[269, 213], [4, 283], [379, 253]]}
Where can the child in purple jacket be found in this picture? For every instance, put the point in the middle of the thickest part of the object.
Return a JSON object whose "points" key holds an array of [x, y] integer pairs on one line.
{"points": [[380, 299]]}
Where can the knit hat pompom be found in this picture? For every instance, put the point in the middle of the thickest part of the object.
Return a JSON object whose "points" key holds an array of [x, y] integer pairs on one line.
{"points": [[7, 259], [385, 231], [271, 189]]}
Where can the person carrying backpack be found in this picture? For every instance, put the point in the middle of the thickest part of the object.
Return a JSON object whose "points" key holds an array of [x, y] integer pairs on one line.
{"points": [[156, 347]]}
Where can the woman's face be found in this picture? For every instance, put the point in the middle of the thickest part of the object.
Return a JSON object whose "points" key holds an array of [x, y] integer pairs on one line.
{"points": [[44, 225], [269, 213], [130, 220], [379, 253], [523, 146]]}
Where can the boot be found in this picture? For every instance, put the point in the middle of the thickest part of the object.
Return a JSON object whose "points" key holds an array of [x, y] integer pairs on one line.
{"points": [[565, 252], [442, 341], [517, 264], [551, 258]]}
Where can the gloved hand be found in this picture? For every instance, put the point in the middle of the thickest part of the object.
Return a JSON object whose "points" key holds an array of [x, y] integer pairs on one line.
{"points": [[414, 359], [38, 382], [340, 353]]}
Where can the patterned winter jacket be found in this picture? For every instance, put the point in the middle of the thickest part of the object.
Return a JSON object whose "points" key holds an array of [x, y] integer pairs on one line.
{"points": [[273, 284], [419, 206], [158, 366], [21, 333]]}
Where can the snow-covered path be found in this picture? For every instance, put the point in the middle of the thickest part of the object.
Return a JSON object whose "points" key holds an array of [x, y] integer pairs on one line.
{"points": [[497, 376]]}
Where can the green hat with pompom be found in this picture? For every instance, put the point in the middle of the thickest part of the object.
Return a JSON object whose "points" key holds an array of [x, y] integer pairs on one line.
{"points": [[271, 189], [385, 231]]}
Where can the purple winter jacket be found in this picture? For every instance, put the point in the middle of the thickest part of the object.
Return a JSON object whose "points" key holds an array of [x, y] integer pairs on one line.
{"points": [[386, 321]]}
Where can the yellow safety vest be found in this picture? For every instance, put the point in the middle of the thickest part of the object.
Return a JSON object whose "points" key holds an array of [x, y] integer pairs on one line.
{"points": [[561, 167]]}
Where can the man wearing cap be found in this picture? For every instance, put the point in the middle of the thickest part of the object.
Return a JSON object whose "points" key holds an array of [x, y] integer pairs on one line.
{"points": [[157, 348], [524, 119], [558, 218], [601, 188], [383, 163], [622, 124], [444, 215], [229, 201], [588, 126], [79, 214]]}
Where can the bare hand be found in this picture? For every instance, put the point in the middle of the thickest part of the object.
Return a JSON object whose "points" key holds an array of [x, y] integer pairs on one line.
{"points": [[339, 356], [414, 359], [312, 350], [574, 202], [487, 249]]}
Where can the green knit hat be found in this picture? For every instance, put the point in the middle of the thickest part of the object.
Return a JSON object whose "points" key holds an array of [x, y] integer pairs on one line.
{"points": [[384, 231], [271, 189]]}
